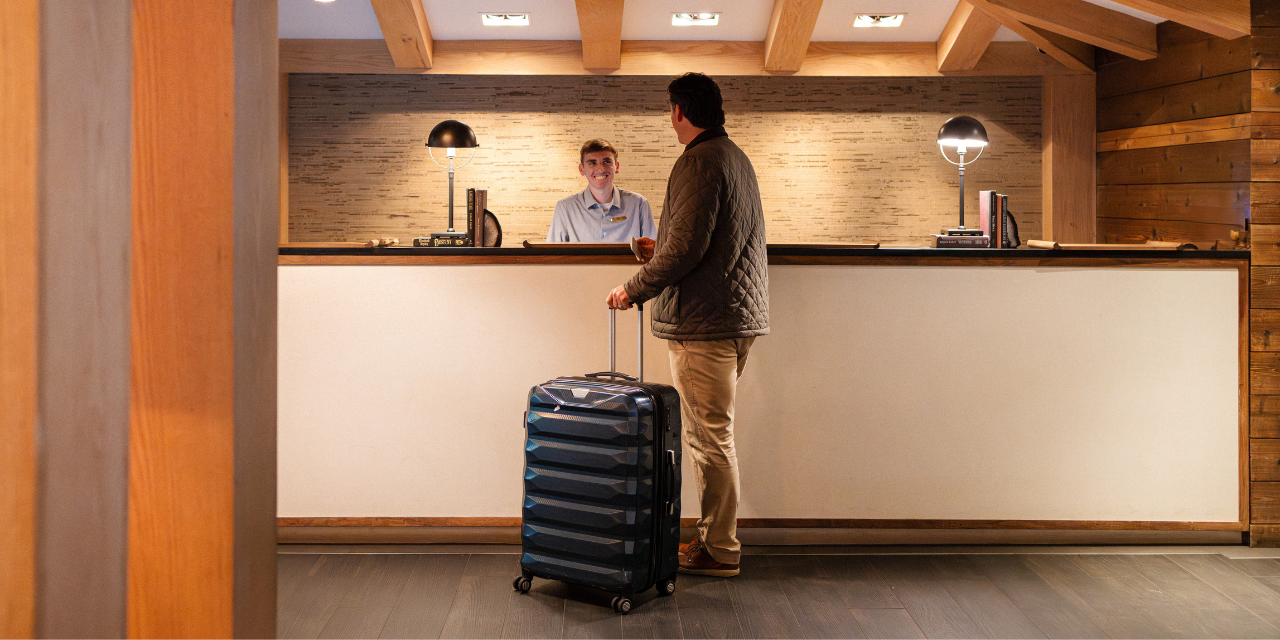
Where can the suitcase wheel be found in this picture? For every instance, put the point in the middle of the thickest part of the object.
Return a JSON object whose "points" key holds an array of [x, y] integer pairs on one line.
{"points": [[621, 605], [522, 584], [667, 587]]}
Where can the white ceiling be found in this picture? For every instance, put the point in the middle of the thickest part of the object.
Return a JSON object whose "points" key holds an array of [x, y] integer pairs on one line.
{"points": [[641, 20]]}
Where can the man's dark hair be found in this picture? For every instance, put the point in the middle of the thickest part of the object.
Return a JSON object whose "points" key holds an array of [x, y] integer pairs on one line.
{"points": [[594, 145], [699, 100]]}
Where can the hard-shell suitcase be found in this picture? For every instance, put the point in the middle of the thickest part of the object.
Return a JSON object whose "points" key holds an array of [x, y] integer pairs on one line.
{"points": [[602, 482]]}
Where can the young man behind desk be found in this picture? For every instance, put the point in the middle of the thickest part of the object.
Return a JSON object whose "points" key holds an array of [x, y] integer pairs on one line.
{"points": [[602, 212], [709, 274]]}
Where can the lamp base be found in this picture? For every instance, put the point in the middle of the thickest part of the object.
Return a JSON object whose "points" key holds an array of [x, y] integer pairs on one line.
{"points": [[962, 232]]}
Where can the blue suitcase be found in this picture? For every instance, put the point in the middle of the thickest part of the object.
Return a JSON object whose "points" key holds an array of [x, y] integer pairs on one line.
{"points": [[602, 482]]}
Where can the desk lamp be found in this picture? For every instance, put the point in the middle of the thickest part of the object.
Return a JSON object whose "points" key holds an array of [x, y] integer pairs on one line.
{"points": [[451, 135], [962, 132]]}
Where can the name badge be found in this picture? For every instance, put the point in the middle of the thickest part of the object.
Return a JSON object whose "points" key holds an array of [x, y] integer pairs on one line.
{"points": [[618, 219]]}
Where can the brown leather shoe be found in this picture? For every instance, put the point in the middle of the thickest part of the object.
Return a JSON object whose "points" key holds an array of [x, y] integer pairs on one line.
{"points": [[686, 547], [700, 563]]}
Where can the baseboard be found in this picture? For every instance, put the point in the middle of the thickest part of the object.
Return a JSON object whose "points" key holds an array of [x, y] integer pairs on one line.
{"points": [[398, 535], [799, 532]]}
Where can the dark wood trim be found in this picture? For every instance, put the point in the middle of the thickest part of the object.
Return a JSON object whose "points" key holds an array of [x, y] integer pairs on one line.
{"points": [[1244, 386], [876, 257], [398, 522], [789, 523]]}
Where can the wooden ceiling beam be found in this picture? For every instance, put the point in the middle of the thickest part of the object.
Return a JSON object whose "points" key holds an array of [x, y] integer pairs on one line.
{"points": [[663, 58], [1074, 55], [1086, 22], [790, 29], [600, 26], [1228, 19], [965, 38], [404, 27]]}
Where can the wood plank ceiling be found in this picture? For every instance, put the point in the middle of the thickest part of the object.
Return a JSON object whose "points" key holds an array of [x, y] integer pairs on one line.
{"points": [[1067, 30]]}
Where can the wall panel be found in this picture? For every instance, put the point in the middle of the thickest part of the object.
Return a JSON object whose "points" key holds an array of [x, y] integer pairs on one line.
{"points": [[837, 158], [1174, 157]]}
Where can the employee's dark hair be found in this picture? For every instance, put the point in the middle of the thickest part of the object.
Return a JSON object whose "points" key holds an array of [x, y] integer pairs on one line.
{"points": [[594, 145], [699, 100]]}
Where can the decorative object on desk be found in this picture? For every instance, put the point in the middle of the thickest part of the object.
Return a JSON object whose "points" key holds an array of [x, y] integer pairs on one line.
{"points": [[492, 230], [953, 241], [1150, 245], [962, 132], [382, 242], [1009, 230], [1241, 238], [451, 135]]}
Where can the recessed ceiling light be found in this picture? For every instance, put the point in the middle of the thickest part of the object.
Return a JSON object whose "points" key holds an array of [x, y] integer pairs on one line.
{"points": [[325, 1], [505, 19], [695, 19], [879, 20]]}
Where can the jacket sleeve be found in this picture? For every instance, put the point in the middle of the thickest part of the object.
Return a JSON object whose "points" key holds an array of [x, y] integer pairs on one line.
{"points": [[694, 201]]}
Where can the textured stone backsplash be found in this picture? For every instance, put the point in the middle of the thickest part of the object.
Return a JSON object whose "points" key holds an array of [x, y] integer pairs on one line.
{"points": [[838, 159]]}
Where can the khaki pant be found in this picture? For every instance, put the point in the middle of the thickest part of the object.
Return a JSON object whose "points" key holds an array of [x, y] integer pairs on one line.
{"points": [[706, 375]]}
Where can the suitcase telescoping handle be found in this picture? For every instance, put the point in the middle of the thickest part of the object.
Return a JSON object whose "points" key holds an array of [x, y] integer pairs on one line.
{"points": [[613, 347]]}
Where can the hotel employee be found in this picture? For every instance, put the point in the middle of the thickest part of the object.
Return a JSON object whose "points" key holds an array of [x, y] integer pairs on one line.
{"points": [[602, 212]]}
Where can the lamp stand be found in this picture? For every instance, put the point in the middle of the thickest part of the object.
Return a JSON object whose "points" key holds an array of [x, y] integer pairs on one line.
{"points": [[961, 231], [449, 238], [451, 195]]}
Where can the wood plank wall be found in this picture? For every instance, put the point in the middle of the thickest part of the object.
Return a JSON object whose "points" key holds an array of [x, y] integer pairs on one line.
{"points": [[838, 159], [1174, 139], [1264, 317]]}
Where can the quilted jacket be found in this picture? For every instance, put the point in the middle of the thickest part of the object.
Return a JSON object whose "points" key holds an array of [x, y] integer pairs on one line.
{"points": [[709, 270]]}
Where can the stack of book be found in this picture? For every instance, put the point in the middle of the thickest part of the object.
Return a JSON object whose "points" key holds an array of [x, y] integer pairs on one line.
{"points": [[477, 200], [993, 212]]}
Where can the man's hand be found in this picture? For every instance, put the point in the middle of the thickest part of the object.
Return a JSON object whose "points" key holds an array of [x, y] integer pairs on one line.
{"points": [[646, 249], [618, 298]]}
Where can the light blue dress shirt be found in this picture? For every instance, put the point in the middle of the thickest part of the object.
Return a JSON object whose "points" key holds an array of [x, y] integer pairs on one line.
{"points": [[579, 218]]}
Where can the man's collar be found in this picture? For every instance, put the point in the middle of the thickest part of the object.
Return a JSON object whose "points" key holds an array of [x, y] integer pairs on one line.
{"points": [[588, 199], [714, 132]]}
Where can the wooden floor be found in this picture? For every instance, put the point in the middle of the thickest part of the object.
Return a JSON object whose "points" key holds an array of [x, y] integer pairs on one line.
{"points": [[945, 595]]}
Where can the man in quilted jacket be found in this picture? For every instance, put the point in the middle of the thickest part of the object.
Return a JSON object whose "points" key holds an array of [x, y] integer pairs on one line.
{"points": [[708, 272]]}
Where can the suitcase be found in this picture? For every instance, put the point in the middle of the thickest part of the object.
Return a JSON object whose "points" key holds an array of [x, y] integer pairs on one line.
{"points": [[602, 482]]}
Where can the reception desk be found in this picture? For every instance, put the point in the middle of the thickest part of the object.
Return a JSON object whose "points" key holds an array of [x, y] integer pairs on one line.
{"points": [[904, 395]]}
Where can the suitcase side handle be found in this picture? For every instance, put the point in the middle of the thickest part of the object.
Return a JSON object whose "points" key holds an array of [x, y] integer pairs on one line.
{"points": [[613, 341]]}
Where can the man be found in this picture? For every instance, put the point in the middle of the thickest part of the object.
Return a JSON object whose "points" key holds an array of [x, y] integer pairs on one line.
{"points": [[602, 212], [709, 272]]}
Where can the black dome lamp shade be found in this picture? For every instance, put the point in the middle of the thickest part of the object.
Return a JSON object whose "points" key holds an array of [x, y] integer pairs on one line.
{"points": [[961, 133], [452, 135]]}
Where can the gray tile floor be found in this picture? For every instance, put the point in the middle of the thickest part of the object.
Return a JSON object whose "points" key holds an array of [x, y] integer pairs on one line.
{"points": [[403, 591]]}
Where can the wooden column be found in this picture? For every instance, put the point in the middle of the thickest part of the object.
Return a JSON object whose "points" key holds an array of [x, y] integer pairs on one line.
{"points": [[19, 117], [1069, 181], [64, 316], [1264, 315], [205, 214]]}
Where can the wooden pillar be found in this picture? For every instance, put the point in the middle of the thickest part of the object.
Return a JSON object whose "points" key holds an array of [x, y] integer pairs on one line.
{"points": [[19, 116], [64, 316], [202, 448], [1069, 184], [138, 198], [1264, 314]]}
